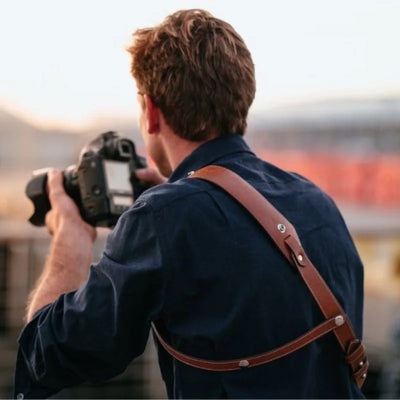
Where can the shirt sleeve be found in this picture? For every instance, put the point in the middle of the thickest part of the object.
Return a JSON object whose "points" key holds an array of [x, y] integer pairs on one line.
{"points": [[93, 333]]}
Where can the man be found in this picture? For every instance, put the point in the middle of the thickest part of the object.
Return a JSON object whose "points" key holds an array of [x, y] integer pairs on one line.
{"points": [[187, 255]]}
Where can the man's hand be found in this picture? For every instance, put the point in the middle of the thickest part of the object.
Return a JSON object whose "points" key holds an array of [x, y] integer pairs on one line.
{"points": [[70, 254], [151, 175], [64, 212]]}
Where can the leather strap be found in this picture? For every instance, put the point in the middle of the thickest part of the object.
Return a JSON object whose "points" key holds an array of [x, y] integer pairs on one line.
{"points": [[240, 363], [285, 237]]}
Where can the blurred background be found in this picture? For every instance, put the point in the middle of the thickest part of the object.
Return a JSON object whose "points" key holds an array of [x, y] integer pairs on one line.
{"points": [[327, 106]]}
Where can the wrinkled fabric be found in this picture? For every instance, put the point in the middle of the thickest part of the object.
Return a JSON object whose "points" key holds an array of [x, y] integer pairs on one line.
{"points": [[188, 256]]}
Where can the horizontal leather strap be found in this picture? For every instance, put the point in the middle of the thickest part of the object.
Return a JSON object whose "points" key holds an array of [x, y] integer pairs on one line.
{"points": [[240, 363]]}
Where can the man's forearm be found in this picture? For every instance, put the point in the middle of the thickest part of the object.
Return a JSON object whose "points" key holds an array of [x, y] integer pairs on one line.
{"points": [[66, 268]]}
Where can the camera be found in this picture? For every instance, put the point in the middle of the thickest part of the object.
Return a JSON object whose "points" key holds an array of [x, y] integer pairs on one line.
{"points": [[103, 183]]}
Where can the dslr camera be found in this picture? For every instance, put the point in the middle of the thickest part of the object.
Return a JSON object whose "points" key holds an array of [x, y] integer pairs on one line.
{"points": [[103, 183]]}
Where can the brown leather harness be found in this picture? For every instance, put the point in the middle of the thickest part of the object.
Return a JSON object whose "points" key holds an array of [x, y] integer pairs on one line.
{"points": [[284, 235]]}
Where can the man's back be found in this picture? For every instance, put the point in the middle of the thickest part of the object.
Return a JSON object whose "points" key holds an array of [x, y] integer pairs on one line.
{"points": [[189, 257], [229, 292]]}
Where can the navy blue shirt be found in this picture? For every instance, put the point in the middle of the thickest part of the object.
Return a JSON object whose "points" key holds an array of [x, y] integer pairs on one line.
{"points": [[188, 256]]}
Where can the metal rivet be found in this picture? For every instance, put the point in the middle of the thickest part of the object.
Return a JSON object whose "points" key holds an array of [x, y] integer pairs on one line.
{"points": [[339, 320], [361, 363], [20, 396], [190, 173], [281, 228], [243, 363], [363, 376], [300, 258]]}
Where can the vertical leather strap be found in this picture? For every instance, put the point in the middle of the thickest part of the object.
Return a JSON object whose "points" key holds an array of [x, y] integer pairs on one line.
{"points": [[285, 236]]}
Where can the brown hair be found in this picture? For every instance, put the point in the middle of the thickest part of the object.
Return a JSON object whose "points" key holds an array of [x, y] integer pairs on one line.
{"points": [[198, 71]]}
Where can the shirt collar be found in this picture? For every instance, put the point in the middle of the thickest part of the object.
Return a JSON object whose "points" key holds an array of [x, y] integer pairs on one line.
{"points": [[208, 153]]}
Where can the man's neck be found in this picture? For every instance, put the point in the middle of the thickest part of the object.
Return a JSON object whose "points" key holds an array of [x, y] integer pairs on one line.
{"points": [[177, 148]]}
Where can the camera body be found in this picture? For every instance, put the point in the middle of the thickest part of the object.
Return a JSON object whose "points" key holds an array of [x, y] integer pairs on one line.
{"points": [[103, 183]]}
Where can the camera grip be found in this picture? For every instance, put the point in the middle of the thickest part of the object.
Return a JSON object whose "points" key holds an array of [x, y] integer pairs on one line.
{"points": [[36, 190]]}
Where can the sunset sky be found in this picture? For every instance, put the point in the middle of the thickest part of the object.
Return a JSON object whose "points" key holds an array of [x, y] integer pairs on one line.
{"points": [[63, 62]]}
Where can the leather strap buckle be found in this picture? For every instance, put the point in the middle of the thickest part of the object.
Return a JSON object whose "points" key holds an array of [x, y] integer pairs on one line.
{"points": [[357, 361], [296, 251]]}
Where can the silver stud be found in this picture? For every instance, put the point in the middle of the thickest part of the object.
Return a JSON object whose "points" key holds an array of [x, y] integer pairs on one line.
{"points": [[300, 258], [281, 228], [361, 363], [363, 376], [339, 320], [243, 364], [190, 173]]}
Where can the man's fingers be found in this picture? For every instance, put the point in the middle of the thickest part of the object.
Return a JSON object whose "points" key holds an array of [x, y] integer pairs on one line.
{"points": [[146, 174], [150, 175], [59, 199], [63, 208], [49, 221], [55, 183]]}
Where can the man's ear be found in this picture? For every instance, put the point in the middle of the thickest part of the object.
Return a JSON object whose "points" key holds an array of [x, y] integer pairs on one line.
{"points": [[152, 115]]}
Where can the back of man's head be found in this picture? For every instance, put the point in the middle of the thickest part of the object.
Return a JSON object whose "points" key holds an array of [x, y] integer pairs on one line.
{"points": [[198, 71]]}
